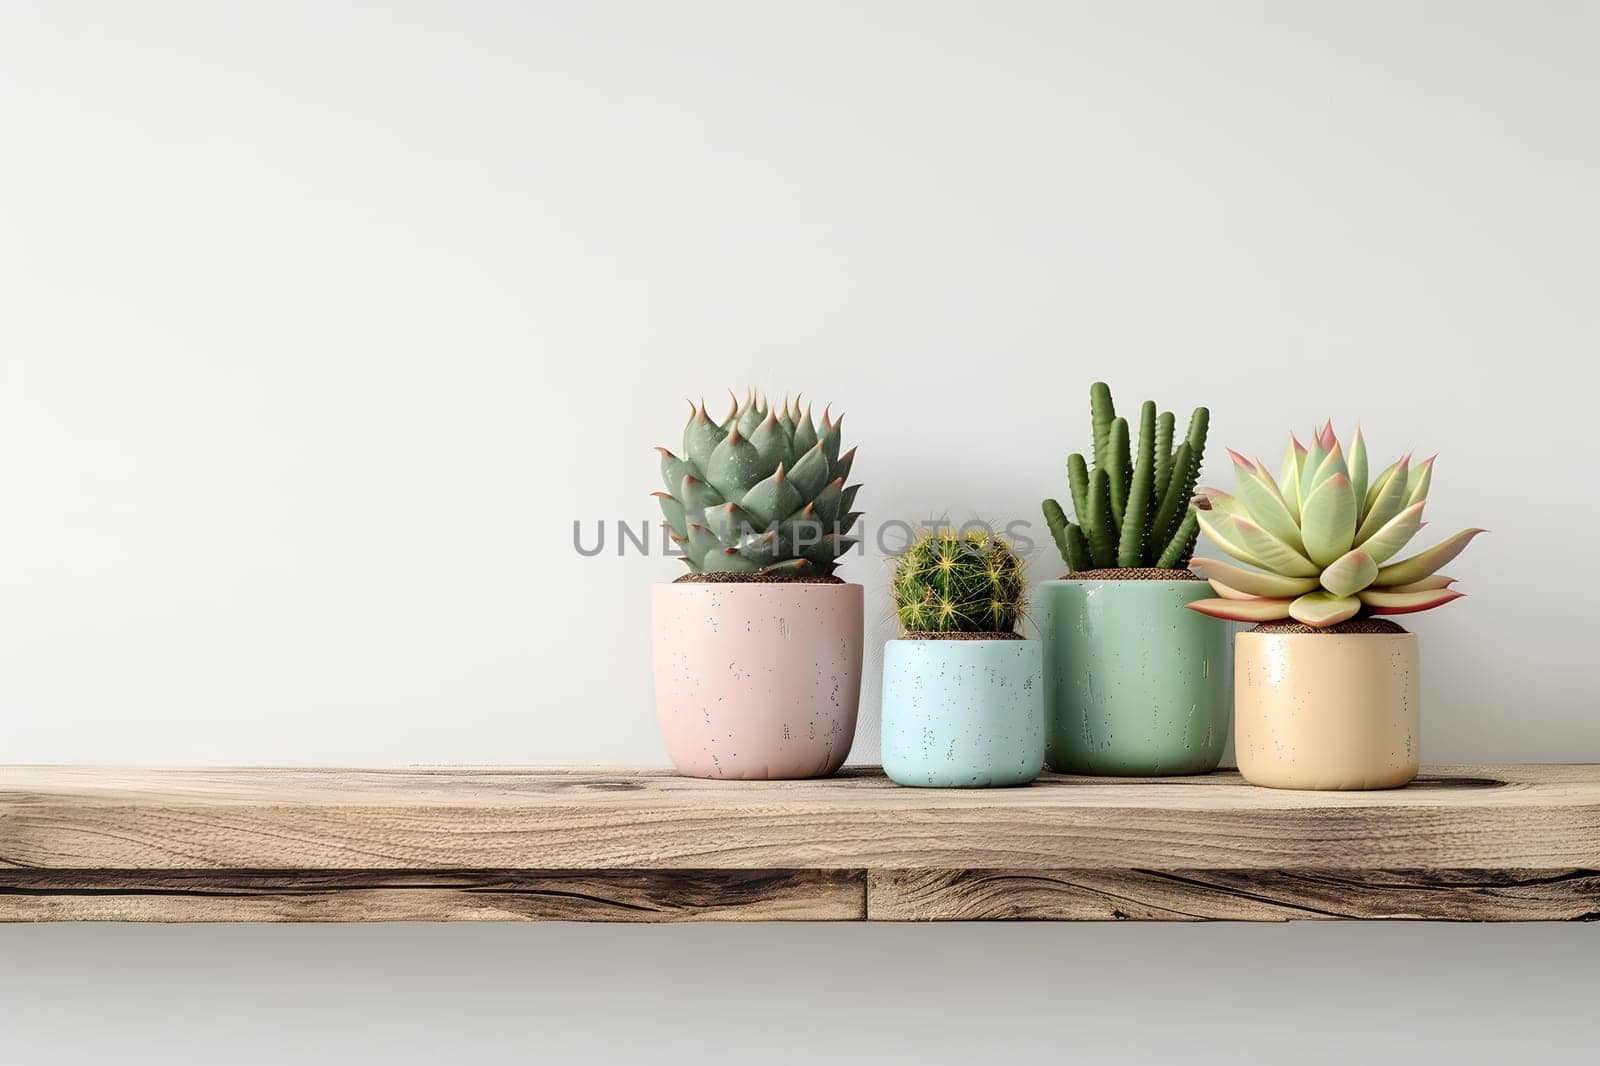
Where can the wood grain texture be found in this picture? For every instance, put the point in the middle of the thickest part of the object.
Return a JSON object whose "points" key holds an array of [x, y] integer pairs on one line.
{"points": [[442, 843], [1233, 895], [1514, 817], [430, 896]]}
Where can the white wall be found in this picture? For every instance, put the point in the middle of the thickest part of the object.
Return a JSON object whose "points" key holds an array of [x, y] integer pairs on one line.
{"points": [[320, 323]]}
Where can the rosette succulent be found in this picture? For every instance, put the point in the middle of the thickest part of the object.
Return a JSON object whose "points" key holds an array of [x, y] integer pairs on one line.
{"points": [[761, 492], [969, 582], [1321, 538], [1132, 510]]}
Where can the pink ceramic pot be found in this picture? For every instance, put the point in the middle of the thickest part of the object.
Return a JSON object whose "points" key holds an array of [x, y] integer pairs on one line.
{"points": [[757, 681]]}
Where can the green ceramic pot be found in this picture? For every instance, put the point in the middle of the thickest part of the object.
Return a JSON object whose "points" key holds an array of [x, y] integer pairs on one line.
{"points": [[1134, 685]]}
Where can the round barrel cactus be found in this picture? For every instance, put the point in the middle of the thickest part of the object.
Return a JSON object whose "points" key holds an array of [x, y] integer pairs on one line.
{"points": [[949, 582]]}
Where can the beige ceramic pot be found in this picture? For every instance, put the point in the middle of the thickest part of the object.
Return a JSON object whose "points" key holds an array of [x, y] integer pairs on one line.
{"points": [[1327, 710]]}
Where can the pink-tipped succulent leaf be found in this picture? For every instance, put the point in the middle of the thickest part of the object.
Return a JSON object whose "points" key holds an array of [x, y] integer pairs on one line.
{"points": [[1255, 583], [1317, 542], [1421, 566], [1258, 610], [1210, 499], [1427, 584], [1385, 601], [1322, 609], [1350, 573]]}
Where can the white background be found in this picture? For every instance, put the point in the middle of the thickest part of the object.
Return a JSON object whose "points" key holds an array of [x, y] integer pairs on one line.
{"points": [[321, 323]]}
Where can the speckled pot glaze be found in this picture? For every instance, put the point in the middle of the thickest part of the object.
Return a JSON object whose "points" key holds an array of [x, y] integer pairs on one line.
{"points": [[1134, 684], [757, 681], [962, 713], [1327, 711]]}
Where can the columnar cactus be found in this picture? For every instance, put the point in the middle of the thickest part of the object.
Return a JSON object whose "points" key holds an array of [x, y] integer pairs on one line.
{"points": [[1321, 538], [1133, 509], [949, 582], [761, 492]]}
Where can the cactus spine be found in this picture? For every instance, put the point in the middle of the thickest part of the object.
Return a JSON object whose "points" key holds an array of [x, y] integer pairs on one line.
{"points": [[949, 582]]}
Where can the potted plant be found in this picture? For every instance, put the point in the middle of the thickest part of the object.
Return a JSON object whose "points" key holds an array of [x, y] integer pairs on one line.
{"points": [[757, 649], [962, 706], [1132, 686], [1328, 689]]}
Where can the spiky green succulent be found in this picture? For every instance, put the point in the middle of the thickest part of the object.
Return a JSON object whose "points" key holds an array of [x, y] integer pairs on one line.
{"points": [[761, 492], [1321, 538], [968, 582], [1132, 510]]}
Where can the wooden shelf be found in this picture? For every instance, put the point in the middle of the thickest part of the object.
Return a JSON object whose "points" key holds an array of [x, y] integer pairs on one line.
{"points": [[1477, 843]]}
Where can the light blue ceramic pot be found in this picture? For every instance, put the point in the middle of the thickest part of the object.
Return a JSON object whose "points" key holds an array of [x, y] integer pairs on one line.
{"points": [[1134, 684], [963, 713]]}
